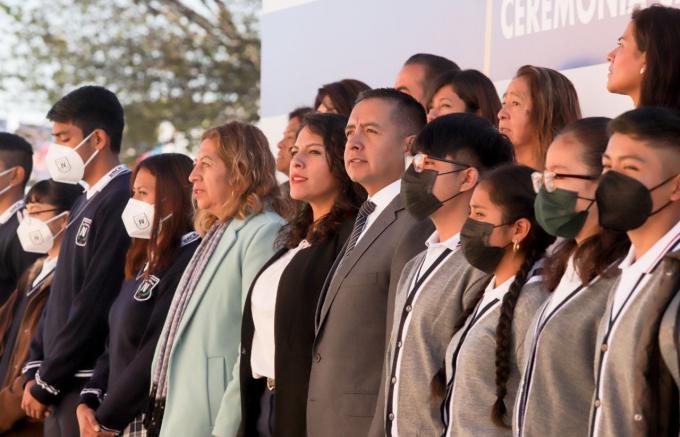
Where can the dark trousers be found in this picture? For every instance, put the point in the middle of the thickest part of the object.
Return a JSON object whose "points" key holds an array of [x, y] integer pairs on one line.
{"points": [[265, 421], [63, 421]]}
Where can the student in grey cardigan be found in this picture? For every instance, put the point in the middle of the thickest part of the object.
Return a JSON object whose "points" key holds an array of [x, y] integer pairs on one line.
{"points": [[501, 237], [640, 194], [557, 374], [452, 152], [669, 330]]}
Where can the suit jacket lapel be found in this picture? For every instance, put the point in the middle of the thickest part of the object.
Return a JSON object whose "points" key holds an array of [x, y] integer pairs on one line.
{"points": [[221, 251], [336, 277]]}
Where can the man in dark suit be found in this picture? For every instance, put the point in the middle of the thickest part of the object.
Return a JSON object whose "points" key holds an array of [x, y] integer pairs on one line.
{"points": [[352, 312]]}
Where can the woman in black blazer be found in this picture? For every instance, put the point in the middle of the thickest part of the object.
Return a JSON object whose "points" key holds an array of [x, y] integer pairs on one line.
{"points": [[278, 317]]}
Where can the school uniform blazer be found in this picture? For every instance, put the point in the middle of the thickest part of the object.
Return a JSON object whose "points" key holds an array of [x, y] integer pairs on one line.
{"points": [[475, 374], [351, 326], [554, 397], [296, 301], [643, 403], [439, 305], [203, 372]]}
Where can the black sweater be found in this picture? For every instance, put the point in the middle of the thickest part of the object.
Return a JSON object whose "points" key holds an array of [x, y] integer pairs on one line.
{"points": [[72, 332], [136, 319]]}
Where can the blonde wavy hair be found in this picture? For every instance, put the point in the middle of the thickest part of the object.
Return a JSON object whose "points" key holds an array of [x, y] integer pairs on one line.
{"points": [[251, 173]]}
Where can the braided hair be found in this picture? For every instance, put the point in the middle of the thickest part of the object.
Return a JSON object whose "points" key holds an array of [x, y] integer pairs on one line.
{"points": [[510, 188]]}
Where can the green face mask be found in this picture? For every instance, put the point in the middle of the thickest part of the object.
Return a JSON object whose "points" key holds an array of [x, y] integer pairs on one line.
{"points": [[556, 214]]}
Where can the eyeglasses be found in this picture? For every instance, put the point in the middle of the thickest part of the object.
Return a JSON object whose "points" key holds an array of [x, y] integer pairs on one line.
{"points": [[421, 159], [547, 179]]}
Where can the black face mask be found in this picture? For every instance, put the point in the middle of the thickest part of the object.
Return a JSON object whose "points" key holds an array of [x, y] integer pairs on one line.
{"points": [[624, 203], [474, 238], [416, 192]]}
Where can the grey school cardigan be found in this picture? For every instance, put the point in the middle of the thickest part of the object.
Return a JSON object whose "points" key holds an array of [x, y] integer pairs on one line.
{"points": [[557, 382], [638, 396], [469, 409], [439, 304]]}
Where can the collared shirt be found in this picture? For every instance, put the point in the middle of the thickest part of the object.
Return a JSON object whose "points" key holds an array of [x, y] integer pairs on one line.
{"points": [[263, 307], [48, 266], [9, 212], [104, 180], [381, 199], [634, 276], [569, 282], [493, 292]]}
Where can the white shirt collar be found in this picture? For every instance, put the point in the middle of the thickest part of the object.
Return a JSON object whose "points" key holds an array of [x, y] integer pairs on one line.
{"points": [[385, 195], [104, 180], [433, 242], [653, 255], [498, 291], [9, 212]]}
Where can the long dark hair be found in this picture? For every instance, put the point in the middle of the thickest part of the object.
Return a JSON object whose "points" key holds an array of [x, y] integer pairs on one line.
{"points": [[555, 104], [657, 31], [598, 252], [331, 128], [173, 195], [475, 89], [343, 94], [510, 187]]}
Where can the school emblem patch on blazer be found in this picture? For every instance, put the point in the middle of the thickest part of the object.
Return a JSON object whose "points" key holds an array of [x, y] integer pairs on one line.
{"points": [[83, 232], [145, 289]]}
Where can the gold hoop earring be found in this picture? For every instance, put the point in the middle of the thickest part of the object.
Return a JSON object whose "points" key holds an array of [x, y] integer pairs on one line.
{"points": [[642, 70], [515, 246]]}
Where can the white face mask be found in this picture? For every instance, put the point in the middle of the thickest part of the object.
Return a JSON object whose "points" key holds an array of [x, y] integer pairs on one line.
{"points": [[9, 186], [65, 164], [138, 219], [35, 235]]}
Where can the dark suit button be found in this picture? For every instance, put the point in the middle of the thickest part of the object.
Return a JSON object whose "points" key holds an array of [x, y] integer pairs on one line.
{"points": [[317, 358]]}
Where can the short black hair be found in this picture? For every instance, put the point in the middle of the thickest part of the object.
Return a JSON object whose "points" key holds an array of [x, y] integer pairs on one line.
{"points": [[466, 138], [406, 111], [15, 151], [59, 194], [659, 127], [435, 66], [299, 113], [92, 107]]}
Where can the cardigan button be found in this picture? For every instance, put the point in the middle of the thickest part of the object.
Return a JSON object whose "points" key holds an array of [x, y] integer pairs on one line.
{"points": [[394, 380], [243, 351], [604, 347], [390, 416], [637, 417], [598, 403], [408, 308], [317, 358]]}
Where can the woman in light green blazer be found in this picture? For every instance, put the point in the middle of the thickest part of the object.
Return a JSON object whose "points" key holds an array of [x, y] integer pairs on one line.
{"points": [[195, 374]]}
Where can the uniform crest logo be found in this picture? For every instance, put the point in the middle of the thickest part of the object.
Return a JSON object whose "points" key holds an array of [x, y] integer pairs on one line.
{"points": [[83, 232], [145, 289]]}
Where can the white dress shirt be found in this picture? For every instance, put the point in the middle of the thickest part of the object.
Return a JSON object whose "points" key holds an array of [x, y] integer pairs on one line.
{"points": [[569, 282], [263, 307], [381, 199]]}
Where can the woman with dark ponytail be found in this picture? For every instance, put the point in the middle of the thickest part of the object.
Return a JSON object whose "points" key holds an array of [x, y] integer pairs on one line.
{"points": [[557, 377], [500, 237]]}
